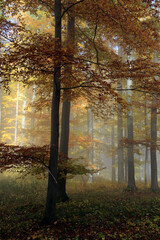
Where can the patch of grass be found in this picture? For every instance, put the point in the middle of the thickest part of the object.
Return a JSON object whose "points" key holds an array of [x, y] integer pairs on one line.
{"points": [[96, 211]]}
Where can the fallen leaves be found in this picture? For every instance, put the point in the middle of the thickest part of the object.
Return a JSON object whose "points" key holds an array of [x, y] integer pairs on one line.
{"points": [[93, 212]]}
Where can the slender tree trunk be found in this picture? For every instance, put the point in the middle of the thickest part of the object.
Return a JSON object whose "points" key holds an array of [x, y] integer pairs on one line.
{"points": [[90, 132], [16, 122], [154, 179], [146, 166], [120, 133], [113, 157], [131, 174], [61, 193], [125, 161], [146, 176], [32, 118], [120, 146], [50, 211], [23, 122]]}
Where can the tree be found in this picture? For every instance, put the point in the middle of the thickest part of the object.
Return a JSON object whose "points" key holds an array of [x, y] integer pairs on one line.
{"points": [[90, 133], [120, 134], [113, 156], [64, 140], [50, 211], [146, 170], [131, 176], [154, 180]]}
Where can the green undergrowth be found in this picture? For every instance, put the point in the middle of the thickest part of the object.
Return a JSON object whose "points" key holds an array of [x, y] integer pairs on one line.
{"points": [[102, 210]]}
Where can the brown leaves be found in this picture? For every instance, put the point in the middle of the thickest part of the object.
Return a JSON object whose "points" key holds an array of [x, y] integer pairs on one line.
{"points": [[11, 156]]}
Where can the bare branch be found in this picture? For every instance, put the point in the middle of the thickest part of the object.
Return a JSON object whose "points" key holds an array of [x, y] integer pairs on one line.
{"points": [[46, 4], [95, 32], [116, 89], [71, 7]]}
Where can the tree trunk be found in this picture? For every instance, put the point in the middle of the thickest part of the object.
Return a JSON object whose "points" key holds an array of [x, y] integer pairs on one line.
{"points": [[16, 122], [23, 122], [32, 118], [90, 132], [50, 211], [61, 193], [154, 179], [113, 157], [125, 160], [120, 146], [146, 167], [131, 175], [120, 133]]}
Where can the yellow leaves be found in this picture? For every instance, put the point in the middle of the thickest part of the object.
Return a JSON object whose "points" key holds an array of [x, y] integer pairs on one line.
{"points": [[80, 45], [41, 22]]}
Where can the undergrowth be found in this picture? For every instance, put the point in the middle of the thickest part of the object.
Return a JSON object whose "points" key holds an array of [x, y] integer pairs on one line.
{"points": [[102, 210]]}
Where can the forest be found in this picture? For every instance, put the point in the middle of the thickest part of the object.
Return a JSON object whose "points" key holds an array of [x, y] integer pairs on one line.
{"points": [[79, 119]]}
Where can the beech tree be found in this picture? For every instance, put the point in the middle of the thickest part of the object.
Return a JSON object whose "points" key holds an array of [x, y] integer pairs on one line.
{"points": [[64, 140], [154, 179], [120, 134]]}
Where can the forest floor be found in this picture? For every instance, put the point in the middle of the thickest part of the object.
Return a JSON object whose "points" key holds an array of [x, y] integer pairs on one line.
{"points": [[100, 210]]}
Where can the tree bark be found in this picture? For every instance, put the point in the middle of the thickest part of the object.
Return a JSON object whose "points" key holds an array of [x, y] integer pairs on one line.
{"points": [[146, 167], [16, 121], [131, 174], [113, 157], [23, 122], [32, 138], [61, 193], [50, 211], [120, 146], [154, 179], [120, 133], [125, 161], [90, 132]]}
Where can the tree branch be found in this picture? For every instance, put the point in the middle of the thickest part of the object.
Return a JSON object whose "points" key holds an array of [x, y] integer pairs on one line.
{"points": [[71, 7], [116, 89], [46, 4], [95, 47]]}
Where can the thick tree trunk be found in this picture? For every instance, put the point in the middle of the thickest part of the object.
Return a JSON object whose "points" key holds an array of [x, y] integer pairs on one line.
{"points": [[131, 175], [113, 157], [61, 193], [154, 179], [50, 211]]}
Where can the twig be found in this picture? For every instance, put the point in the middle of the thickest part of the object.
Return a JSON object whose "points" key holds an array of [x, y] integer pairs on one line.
{"points": [[70, 7]]}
